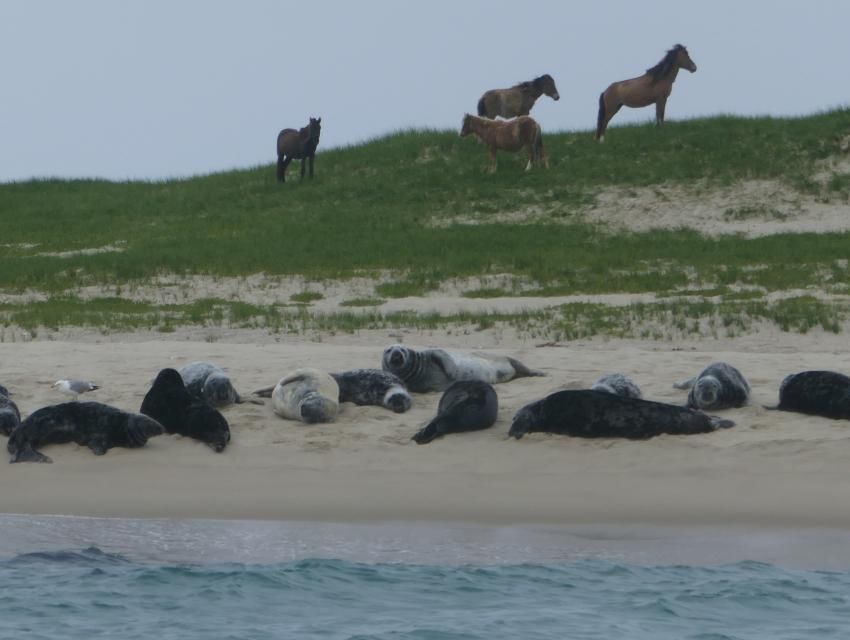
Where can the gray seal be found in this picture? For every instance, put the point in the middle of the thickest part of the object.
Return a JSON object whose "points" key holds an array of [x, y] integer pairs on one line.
{"points": [[306, 394], [817, 393], [618, 384], [92, 424], [585, 413], [206, 380], [435, 369], [373, 387], [10, 417], [467, 405], [718, 386]]}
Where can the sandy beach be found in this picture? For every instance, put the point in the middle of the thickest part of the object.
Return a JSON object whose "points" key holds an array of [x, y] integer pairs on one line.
{"points": [[772, 469]]}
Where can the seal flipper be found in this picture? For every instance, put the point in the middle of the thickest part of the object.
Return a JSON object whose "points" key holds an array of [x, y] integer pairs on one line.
{"points": [[98, 446], [28, 454], [687, 384], [265, 392], [429, 432], [521, 371], [720, 423]]}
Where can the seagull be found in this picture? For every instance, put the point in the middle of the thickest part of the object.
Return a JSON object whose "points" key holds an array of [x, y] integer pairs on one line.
{"points": [[74, 387]]}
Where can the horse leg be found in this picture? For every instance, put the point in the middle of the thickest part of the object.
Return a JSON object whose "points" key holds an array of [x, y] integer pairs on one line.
{"points": [[282, 163], [303, 166], [312, 159], [606, 112], [492, 165], [660, 104]]}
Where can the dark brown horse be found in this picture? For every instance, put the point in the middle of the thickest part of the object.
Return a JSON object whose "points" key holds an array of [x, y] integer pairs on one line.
{"points": [[299, 144], [518, 100], [508, 135], [653, 86]]}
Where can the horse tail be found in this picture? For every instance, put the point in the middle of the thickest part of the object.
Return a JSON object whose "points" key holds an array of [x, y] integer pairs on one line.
{"points": [[540, 153], [600, 119], [281, 168], [482, 108]]}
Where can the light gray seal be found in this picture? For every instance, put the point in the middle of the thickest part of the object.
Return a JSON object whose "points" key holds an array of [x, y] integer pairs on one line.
{"points": [[435, 369], [306, 394], [10, 417], [718, 386], [92, 424], [373, 387], [585, 413], [467, 405], [618, 384], [206, 380]]}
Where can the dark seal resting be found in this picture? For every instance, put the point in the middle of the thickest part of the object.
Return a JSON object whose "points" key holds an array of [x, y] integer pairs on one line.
{"points": [[92, 424], [169, 402], [10, 417], [467, 405], [596, 414], [817, 393]]}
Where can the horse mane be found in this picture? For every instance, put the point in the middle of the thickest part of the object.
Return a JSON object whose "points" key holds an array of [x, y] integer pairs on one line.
{"points": [[528, 85], [666, 65]]}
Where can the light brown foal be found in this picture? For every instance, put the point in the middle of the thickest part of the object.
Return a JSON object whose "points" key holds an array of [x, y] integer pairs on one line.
{"points": [[508, 135], [653, 86]]}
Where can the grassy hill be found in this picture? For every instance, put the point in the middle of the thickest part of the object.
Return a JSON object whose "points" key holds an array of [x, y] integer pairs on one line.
{"points": [[392, 206]]}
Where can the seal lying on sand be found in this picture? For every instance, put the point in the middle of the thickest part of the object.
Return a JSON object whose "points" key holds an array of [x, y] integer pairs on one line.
{"points": [[619, 385], [818, 393], [92, 424], [435, 369], [467, 405], [373, 387], [305, 394], [169, 402], [10, 417], [596, 414], [718, 386], [207, 381]]}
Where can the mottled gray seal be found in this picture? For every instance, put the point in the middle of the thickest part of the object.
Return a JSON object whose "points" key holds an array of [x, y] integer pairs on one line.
{"points": [[596, 414], [718, 386], [435, 369], [373, 387], [818, 393], [467, 405], [206, 380], [618, 384], [10, 417], [306, 394], [169, 402], [92, 424]]}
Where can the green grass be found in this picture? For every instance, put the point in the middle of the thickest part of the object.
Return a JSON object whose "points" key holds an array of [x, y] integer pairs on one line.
{"points": [[306, 296], [372, 209]]}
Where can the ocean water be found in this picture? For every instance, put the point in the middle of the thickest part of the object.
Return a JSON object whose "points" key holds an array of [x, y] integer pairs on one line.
{"points": [[194, 579]]}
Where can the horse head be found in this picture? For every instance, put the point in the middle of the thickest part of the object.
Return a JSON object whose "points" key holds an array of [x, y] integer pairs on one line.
{"points": [[683, 60], [315, 127], [546, 84], [466, 128]]}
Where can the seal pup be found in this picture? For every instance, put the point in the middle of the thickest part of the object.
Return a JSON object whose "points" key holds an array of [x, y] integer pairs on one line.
{"points": [[373, 387], [169, 402], [818, 393], [74, 388], [10, 417], [206, 380], [467, 405], [93, 424], [305, 394], [718, 386], [435, 369], [618, 384], [596, 414]]}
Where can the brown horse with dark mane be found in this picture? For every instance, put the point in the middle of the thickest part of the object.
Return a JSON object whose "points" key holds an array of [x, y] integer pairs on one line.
{"points": [[653, 86], [518, 100], [508, 135], [298, 144]]}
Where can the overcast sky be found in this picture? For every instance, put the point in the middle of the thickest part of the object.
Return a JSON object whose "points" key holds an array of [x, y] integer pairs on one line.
{"points": [[165, 88]]}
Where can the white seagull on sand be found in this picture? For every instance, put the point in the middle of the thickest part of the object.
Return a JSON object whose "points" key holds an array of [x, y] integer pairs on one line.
{"points": [[74, 387]]}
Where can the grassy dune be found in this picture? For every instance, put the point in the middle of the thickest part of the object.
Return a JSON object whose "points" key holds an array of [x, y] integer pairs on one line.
{"points": [[389, 205]]}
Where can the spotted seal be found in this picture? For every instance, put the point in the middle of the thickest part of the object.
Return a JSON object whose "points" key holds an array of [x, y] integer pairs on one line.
{"points": [[435, 369], [306, 394], [169, 402], [818, 393], [618, 384], [373, 387], [585, 413], [467, 405], [206, 380], [10, 417], [92, 424], [718, 386]]}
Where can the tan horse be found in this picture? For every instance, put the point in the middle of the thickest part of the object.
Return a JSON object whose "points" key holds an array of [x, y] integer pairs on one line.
{"points": [[508, 135], [653, 86], [518, 100]]}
